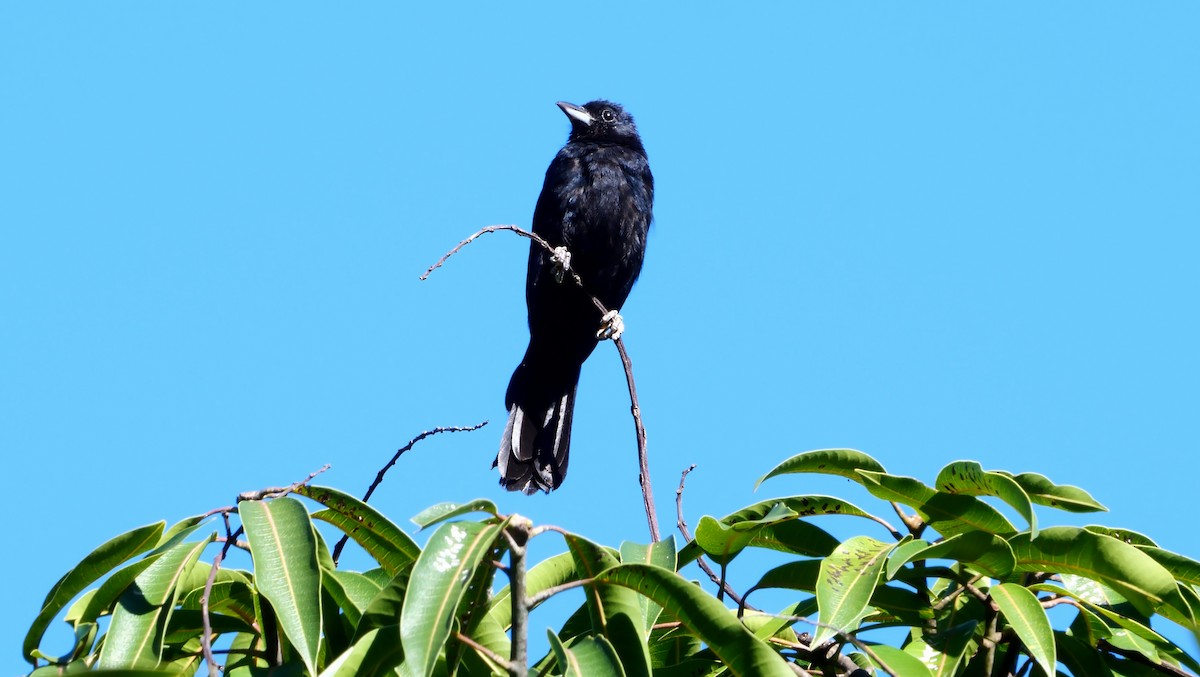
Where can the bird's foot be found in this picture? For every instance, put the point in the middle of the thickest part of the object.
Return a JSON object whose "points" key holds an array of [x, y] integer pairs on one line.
{"points": [[561, 258], [611, 326]]}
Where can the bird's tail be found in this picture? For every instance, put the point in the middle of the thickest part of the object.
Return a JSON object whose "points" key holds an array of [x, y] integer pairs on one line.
{"points": [[537, 438]]}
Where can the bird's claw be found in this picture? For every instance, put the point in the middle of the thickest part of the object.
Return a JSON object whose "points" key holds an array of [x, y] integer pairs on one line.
{"points": [[611, 326], [561, 258]]}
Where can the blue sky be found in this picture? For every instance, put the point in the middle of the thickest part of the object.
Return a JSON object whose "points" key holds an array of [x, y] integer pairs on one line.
{"points": [[930, 233]]}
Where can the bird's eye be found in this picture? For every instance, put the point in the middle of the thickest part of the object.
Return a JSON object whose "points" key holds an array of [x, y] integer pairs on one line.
{"points": [[607, 115]]}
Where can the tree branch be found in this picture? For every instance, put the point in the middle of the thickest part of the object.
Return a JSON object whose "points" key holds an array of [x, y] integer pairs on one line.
{"points": [[687, 536], [341, 544]]}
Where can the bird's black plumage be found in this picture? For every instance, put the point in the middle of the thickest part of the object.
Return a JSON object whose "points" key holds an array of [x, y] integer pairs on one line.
{"points": [[597, 201]]}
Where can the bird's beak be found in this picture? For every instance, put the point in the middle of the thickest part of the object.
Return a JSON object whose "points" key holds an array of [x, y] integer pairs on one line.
{"points": [[576, 113]]}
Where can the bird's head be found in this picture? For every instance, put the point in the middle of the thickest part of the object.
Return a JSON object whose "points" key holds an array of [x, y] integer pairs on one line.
{"points": [[601, 121]]}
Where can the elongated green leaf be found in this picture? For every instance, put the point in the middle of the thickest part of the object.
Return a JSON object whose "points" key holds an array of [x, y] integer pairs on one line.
{"points": [[798, 537], [1062, 496], [445, 511], [660, 554], [900, 663], [473, 608], [987, 553], [1123, 535], [586, 657], [615, 612], [846, 583], [1028, 619], [287, 573], [439, 580], [804, 506], [722, 542], [385, 607], [843, 462], [949, 514], [1071, 550], [776, 625], [704, 616], [134, 638], [106, 595], [352, 591], [969, 478], [385, 541], [375, 653], [96, 564], [1184, 569]]}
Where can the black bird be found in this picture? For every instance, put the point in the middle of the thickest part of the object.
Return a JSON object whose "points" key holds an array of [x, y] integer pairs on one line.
{"points": [[596, 203]]}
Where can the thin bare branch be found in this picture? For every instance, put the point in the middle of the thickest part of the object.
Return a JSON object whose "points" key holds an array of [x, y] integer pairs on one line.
{"points": [[550, 592], [341, 544], [700, 561]]}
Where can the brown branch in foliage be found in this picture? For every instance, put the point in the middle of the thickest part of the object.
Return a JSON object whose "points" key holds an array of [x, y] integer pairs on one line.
{"points": [[279, 492], [337, 549], [214, 670], [546, 594], [486, 652], [643, 458], [914, 523], [687, 536], [517, 533]]}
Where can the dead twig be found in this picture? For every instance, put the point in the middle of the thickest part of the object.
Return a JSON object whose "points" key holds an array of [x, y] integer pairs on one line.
{"points": [[279, 492], [341, 544], [687, 536]]}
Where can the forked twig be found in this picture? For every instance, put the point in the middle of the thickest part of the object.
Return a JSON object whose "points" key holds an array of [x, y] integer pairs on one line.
{"points": [[639, 428]]}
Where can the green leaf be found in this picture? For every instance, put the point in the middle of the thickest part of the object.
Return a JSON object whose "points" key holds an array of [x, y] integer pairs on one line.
{"points": [[843, 462], [385, 607], [1182, 568], [1028, 619], [988, 553], [1062, 496], [1071, 550], [96, 564], [352, 591], [287, 573], [1123, 535], [776, 625], [660, 554], [970, 479], [375, 653], [382, 539], [615, 612], [804, 506], [444, 511], [846, 582], [704, 616], [586, 657], [134, 638], [949, 514], [724, 541], [900, 663], [439, 580], [798, 537]]}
